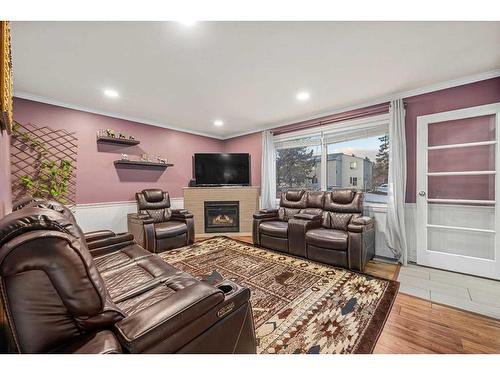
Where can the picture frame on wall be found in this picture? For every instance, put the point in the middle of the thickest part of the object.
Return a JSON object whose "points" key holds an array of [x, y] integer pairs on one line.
{"points": [[6, 91]]}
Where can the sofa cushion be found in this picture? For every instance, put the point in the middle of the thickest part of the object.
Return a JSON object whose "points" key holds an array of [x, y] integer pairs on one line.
{"points": [[274, 228], [327, 238], [170, 229]]}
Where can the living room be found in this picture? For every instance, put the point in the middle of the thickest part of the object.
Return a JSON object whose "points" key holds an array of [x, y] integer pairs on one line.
{"points": [[230, 187]]}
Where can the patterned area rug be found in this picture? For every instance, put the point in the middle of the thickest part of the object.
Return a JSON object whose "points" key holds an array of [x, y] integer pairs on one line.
{"points": [[299, 306]]}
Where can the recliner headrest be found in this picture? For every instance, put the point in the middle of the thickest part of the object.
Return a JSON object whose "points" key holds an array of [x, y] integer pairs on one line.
{"points": [[34, 218], [153, 195], [343, 196], [344, 200], [294, 195]]}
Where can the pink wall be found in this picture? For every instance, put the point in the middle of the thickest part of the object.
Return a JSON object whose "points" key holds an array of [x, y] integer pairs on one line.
{"points": [[5, 192], [473, 94], [478, 93], [97, 178], [251, 143], [99, 181]]}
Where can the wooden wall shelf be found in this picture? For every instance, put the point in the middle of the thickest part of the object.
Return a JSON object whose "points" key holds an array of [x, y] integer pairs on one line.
{"points": [[142, 163], [118, 141]]}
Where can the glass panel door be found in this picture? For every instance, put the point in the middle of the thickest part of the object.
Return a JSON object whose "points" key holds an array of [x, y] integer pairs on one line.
{"points": [[457, 191]]}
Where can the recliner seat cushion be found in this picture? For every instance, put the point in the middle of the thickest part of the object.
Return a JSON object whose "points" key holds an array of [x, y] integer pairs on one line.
{"points": [[170, 229], [274, 228], [122, 257], [327, 238], [129, 280]]}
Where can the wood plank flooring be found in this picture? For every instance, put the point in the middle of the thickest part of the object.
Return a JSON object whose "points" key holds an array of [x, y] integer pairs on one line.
{"points": [[420, 326]]}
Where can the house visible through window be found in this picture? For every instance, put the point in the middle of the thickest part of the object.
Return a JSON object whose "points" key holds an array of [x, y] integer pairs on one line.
{"points": [[371, 155]]}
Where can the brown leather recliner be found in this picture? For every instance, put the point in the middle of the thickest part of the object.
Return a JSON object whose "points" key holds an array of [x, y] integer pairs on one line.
{"points": [[98, 238], [157, 227], [62, 298], [327, 227]]}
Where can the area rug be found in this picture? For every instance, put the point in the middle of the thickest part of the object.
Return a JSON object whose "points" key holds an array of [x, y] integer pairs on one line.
{"points": [[299, 306]]}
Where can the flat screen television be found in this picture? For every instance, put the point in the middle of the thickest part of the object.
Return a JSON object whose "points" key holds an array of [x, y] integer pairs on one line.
{"points": [[221, 169]]}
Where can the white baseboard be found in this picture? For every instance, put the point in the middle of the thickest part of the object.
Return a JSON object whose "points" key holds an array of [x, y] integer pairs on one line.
{"points": [[110, 215]]}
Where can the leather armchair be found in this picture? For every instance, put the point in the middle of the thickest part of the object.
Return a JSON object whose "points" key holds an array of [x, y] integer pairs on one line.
{"points": [[157, 227], [61, 298]]}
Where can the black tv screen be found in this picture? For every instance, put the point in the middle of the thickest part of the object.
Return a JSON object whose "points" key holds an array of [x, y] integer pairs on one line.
{"points": [[222, 169]]}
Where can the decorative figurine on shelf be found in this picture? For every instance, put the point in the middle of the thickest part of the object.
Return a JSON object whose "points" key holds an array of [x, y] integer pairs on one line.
{"points": [[121, 136], [124, 157], [145, 157], [161, 160], [131, 138], [110, 133]]}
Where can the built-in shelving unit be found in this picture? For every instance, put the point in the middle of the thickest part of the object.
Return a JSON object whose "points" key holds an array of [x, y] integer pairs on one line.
{"points": [[118, 141], [141, 163]]}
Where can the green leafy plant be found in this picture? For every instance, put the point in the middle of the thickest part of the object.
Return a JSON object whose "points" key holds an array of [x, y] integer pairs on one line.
{"points": [[50, 178]]}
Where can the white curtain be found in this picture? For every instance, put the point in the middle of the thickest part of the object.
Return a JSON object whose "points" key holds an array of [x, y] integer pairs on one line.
{"points": [[395, 223], [268, 171]]}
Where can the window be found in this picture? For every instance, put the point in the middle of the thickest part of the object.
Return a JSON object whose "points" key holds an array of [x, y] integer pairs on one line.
{"points": [[353, 154], [370, 155], [298, 168]]}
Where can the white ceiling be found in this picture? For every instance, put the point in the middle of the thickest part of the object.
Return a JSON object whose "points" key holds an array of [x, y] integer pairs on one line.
{"points": [[246, 73]]}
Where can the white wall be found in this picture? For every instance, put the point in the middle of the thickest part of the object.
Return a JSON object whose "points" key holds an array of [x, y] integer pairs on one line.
{"points": [[110, 215]]}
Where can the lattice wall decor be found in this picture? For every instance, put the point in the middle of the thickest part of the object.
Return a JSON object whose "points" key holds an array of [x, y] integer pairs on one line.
{"points": [[25, 160]]}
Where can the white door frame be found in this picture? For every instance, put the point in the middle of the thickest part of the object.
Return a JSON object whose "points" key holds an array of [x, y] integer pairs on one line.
{"points": [[455, 262]]}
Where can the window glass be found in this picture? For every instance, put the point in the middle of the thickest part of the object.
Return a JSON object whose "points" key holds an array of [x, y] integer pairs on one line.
{"points": [[298, 168], [361, 163]]}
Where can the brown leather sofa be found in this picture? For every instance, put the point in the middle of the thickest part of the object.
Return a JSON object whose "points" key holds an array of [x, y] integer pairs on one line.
{"points": [[61, 297], [327, 227], [157, 227]]}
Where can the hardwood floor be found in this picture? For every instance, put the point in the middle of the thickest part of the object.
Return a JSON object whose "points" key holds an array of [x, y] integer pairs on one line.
{"points": [[420, 326]]}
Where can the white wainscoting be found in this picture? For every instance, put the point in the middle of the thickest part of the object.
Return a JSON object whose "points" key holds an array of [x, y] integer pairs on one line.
{"points": [[110, 215], [113, 216], [379, 212]]}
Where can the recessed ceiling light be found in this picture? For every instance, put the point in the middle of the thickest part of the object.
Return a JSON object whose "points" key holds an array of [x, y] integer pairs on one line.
{"points": [[218, 122], [111, 93], [303, 96], [188, 23]]}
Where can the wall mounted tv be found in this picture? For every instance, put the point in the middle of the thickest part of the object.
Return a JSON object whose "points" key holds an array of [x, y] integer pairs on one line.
{"points": [[221, 169]]}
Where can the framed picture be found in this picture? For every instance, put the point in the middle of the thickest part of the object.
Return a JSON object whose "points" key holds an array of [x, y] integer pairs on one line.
{"points": [[6, 115]]}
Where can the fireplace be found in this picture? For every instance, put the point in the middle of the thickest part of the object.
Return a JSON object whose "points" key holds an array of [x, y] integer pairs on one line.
{"points": [[222, 216]]}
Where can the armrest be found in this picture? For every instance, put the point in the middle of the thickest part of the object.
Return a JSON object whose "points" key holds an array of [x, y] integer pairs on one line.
{"points": [[182, 214], [297, 228], [360, 224], [140, 219], [110, 245], [158, 322], [269, 211], [265, 215], [305, 216], [98, 235]]}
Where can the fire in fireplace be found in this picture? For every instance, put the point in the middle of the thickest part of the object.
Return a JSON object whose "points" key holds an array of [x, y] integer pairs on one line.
{"points": [[222, 216]]}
